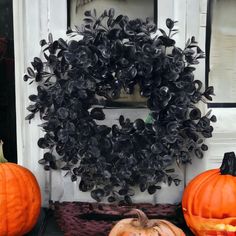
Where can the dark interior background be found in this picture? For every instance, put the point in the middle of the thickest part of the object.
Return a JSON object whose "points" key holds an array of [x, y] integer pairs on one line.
{"points": [[7, 81]]}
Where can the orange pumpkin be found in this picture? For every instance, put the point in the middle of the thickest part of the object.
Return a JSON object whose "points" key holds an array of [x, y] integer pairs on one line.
{"points": [[142, 226], [209, 200], [20, 198]]}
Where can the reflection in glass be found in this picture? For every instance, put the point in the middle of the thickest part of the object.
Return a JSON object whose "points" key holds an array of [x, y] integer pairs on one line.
{"points": [[132, 8], [223, 51]]}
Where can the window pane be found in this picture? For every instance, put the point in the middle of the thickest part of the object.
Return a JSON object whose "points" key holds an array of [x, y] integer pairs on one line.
{"points": [[132, 8], [223, 51]]}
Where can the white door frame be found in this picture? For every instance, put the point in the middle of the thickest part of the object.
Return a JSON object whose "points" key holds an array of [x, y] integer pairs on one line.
{"points": [[33, 20]]}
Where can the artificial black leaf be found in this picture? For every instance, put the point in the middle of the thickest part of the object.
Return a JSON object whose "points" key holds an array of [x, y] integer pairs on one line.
{"points": [[200, 141], [163, 32], [203, 123], [128, 199], [123, 191], [177, 182], [87, 13], [88, 20], [31, 72], [111, 13], [204, 147], [48, 156], [73, 178], [53, 165], [78, 170], [152, 189], [213, 118], [83, 186], [97, 194], [193, 39], [111, 199], [139, 124], [117, 20], [170, 170], [63, 113], [62, 43], [26, 78], [169, 180], [42, 143], [210, 90], [46, 57], [207, 134], [170, 23], [33, 98], [32, 108], [195, 114], [42, 42], [207, 96], [168, 42], [143, 186], [50, 38], [208, 113], [42, 161], [30, 116], [47, 167], [97, 113], [38, 60], [198, 153]]}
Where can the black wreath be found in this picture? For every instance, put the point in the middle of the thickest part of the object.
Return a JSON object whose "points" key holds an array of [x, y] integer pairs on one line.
{"points": [[116, 53]]}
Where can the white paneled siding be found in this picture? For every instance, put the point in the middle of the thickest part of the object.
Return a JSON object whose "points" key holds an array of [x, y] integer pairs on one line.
{"points": [[224, 136], [33, 20]]}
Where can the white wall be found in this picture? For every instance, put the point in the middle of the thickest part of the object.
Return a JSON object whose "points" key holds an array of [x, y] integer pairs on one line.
{"points": [[33, 20]]}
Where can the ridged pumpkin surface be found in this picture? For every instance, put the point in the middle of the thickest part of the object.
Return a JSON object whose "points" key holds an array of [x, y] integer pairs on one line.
{"points": [[209, 200], [20, 200], [211, 195], [145, 227]]}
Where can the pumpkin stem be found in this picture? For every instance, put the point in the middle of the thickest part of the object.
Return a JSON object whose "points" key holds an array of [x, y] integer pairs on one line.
{"points": [[228, 166], [2, 158], [142, 217]]}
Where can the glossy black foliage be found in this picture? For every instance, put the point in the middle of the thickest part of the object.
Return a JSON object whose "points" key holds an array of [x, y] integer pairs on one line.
{"points": [[116, 53]]}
